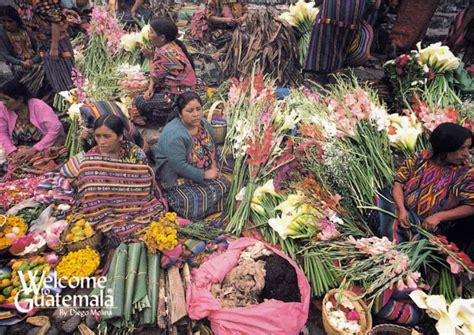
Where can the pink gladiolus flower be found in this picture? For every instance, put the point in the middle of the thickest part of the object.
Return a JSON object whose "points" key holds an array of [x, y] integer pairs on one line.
{"points": [[454, 266]]}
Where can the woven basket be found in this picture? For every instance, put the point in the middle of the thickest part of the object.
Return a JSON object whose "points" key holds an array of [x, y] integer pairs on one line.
{"points": [[360, 306], [389, 329], [91, 241], [220, 130]]}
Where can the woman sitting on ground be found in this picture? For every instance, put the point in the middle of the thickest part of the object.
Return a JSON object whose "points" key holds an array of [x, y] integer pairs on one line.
{"points": [[29, 131], [171, 73], [186, 163], [19, 50], [116, 187], [436, 189], [223, 17]]}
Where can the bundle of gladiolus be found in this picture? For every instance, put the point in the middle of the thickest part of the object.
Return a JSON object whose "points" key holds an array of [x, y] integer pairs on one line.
{"points": [[302, 16], [457, 318]]}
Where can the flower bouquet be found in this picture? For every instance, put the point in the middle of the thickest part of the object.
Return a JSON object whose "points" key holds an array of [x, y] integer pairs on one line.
{"points": [[302, 16], [162, 235], [405, 133]]}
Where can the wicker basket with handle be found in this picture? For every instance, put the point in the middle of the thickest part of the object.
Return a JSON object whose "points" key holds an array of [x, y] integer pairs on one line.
{"points": [[220, 130], [360, 306], [91, 241], [389, 329]]}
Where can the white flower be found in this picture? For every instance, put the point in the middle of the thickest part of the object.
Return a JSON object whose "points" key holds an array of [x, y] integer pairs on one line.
{"points": [[130, 41], [267, 188], [436, 308], [74, 111], [380, 116], [438, 56], [145, 33], [241, 195]]}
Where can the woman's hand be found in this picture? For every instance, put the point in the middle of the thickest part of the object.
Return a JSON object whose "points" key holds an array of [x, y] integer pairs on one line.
{"points": [[54, 53], [85, 134], [148, 94], [147, 52], [210, 174], [431, 222], [26, 64], [403, 217]]}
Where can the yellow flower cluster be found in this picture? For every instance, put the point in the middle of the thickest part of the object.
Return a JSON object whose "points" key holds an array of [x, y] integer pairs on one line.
{"points": [[81, 263], [13, 227], [162, 235]]}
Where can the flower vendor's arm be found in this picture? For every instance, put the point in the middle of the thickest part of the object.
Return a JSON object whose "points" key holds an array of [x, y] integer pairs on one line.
{"points": [[459, 212], [178, 160], [136, 6], [49, 122], [5, 138]]}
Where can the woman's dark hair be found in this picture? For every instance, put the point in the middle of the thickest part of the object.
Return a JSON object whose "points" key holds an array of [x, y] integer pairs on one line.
{"points": [[16, 90], [12, 13], [448, 137], [164, 26], [184, 99], [113, 122]]}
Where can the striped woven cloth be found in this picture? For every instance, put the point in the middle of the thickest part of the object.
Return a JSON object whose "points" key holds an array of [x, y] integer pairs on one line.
{"points": [[116, 195]]}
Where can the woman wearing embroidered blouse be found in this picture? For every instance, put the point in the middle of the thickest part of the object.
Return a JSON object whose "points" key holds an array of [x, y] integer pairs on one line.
{"points": [[435, 189], [171, 72], [28, 127], [186, 163]]}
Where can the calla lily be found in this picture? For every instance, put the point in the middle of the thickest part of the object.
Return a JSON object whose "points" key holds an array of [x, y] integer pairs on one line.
{"points": [[461, 311], [289, 18], [129, 41], [267, 188], [75, 111], [458, 320], [257, 208], [439, 57], [282, 226], [145, 33]]}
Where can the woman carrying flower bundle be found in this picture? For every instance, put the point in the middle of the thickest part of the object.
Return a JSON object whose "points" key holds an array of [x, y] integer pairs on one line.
{"points": [[435, 188], [54, 45], [29, 130], [171, 72], [186, 163], [19, 50], [116, 187]]}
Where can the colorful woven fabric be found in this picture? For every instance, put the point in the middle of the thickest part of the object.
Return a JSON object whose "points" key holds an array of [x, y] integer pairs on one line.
{"points": [[334, 34], [396, 306], [428, 186], [118, 195], [94, 110], [203, 152], [172, 72], [196, 201]]}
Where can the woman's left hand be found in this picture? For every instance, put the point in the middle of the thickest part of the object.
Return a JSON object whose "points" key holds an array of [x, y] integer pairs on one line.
{"points": [[431, 222]]}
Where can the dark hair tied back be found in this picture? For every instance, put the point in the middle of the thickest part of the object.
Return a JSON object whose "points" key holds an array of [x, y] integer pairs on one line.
{"points": [[165, 26], [112, 122], [448, 137]]}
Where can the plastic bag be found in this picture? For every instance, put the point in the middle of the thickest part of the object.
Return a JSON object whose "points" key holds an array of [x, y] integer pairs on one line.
{"points": [[45, 219], [31, 202], [270, 317]]}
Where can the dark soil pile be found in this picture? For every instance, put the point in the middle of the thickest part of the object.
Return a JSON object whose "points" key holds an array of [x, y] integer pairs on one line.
{"points": [[280, 280]]}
